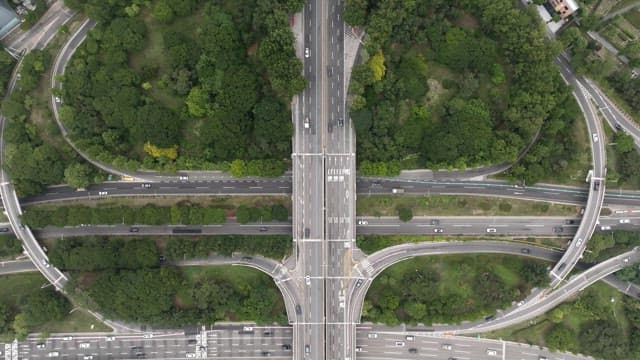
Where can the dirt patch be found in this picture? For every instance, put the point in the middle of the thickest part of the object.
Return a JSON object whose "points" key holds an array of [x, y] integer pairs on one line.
{"points": [[435, 91], [468, 21]]}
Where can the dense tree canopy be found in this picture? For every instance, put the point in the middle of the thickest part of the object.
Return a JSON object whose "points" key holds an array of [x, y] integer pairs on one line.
{"points": [[499, 90], [229, 76]]}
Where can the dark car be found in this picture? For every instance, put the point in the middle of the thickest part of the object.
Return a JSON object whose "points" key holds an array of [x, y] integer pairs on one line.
{"points": [[558, 229], [490, 317], [4, 229], [435, 222], [329, 71], [569, 222], [134, 229], [266, 353], [263, 229], [618, 126], [596, 185], [267, 333], [162, 258], [192, 342], [359, 282], [298, 310], [286, 347], [340, 122], [413, 351], [247, 258], [525, 250]]}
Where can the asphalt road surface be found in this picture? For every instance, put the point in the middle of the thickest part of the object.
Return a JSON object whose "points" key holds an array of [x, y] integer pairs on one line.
{"points": [[376, 342], [248, 341], [543, 226], [364, 186], [596, 181]]}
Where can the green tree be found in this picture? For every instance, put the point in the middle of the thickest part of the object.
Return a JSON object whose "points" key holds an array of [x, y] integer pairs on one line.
{"points": [[20, 328], [45, 305], [198, 101], [78, 175], [561, 338], [405, 213]]}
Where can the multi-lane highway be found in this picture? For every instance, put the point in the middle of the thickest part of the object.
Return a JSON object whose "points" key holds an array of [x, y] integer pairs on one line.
{"points": [[248, 341], [378, 342], [308, 187], [364, 186], [485, 226]]}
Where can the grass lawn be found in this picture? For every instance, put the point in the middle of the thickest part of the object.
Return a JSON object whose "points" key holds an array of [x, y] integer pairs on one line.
{"points": [[457, 278], [633, 16], [617, 4], [446, 205], [576, 313], [78, 321], [16, 289], [219, 201]]}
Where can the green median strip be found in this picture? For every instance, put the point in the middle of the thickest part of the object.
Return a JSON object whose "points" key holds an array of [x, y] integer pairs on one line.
{"points": [[448, 205]]}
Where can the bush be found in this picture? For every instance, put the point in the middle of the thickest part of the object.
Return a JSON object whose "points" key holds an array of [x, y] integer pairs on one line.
{"points": [[405, 214]]}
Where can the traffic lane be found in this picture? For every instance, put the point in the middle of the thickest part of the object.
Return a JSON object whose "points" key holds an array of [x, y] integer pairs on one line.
{"points": [[181, 230], [16, 266], [107, 347], [364, 186], [261, 341], [461, 347]]}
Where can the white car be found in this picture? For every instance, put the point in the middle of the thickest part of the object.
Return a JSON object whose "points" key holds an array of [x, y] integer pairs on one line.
{"points": [[183, 177], [363, 222], [409, 337], [306, 52], [110, 338], [53, 354], [307, 280], [84, 345], [438, 230], [399, 343], [491, 230], [595, 137], [41, 346], [447, 347], [605, 227], [148, 336], [578, 242], [45, 263], [58, 100], [191, 355], [492, 352], [102, 193], [247, 328], [625, 221], [87, 357], [358, 348], [372, 336], [67, 338]]}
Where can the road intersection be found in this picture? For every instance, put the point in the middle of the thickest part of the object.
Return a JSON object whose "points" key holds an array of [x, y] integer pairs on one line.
{"points": [[323, 193]]}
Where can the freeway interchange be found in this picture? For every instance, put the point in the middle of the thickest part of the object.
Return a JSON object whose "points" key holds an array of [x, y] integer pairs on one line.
{"points": [[325, 280]]}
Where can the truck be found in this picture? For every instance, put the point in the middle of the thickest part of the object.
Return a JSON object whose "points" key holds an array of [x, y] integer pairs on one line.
{"points": [[397, 191], [306, 122]]}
